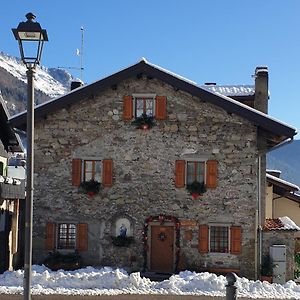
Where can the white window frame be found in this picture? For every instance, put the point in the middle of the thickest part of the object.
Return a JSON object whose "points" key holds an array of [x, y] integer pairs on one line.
{"points": [[57, 236], [145, 95], [229, 236], [195, 160]]}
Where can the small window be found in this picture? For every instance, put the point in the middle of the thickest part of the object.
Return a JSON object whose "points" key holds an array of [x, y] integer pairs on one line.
{"points": [[66, 236], [219, 239], [195, 172], [1, 168], [144, 106], [92, 170]]}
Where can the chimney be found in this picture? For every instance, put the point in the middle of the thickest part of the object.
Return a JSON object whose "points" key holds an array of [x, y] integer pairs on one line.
{"points": [[261, 89], [75, 85]]}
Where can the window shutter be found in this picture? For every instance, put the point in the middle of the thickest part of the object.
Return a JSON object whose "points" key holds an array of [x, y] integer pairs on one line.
{"points": [[211, 173], [161, 108], [76, 172], [235, 239], [82, 237], [50, 236], [180, 173], [203, 239], [107, 173], [127, 108]]}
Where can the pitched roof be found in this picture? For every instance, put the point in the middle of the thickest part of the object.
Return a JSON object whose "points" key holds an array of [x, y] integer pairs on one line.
{"points": [[11, 141], [274, 130], [281, 223]]}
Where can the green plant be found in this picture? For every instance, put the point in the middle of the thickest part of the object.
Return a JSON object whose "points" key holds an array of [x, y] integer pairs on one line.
{"points": [[143, 122], [196, 187], [69, 261], [91, 186], [266, 266], [122, 241]]}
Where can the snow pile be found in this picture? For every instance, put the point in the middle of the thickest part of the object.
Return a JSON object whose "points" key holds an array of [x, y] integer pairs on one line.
{"points": [[288, 224], [107, 281], [44, 80]]}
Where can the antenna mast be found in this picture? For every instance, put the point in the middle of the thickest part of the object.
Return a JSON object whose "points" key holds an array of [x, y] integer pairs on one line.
{"points": [[81, 53]]}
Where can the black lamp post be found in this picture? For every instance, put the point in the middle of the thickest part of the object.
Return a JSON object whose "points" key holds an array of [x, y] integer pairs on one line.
{"points": [[31, 38]]}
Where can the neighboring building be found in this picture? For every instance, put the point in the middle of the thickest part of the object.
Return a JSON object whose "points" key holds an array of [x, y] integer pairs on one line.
{"points": [[12, 194], [283, 200], [199, 135]]}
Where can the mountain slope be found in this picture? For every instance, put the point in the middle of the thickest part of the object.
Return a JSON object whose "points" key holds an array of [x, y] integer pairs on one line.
{"points": [[286, 159], [49, 83]]}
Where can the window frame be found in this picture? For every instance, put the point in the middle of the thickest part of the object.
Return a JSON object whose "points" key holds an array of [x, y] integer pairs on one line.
{"points": [[146, 97], [83, 168], [228, 226], [195, 160], [68, 238]]}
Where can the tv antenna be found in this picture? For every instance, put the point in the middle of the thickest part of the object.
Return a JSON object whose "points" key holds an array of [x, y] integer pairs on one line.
{"points": [[79, 52]]}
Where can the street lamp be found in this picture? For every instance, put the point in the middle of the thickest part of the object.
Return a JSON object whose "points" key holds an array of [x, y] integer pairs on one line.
{"points": [[31, 38]]}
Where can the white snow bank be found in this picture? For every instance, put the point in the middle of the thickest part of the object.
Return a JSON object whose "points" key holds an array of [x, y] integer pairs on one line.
{"points": [[107, 281]]}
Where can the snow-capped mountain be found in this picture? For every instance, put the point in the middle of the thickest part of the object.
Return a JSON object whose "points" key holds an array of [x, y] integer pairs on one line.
{"points": [[49, 83]]}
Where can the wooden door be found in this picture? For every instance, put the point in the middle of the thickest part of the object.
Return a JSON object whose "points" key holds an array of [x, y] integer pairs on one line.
{"points": [[162, 248]]}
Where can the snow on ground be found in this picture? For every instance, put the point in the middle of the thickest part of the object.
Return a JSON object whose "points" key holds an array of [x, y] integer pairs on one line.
{"points": [[108, 281]]}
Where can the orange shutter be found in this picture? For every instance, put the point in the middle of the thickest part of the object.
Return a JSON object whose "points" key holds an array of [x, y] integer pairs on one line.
{"points": [[235, 239], [127, 108], [180, 173], [82, 237], [211, 173], [161, 108], [76, 172], [107, 173], [50, 236], [203, 239]]}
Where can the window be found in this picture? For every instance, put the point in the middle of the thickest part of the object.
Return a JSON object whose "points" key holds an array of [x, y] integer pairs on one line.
{"points": [[144, 106], [187, 171], [219, 239], [92, 170], [1, 168], [195, 172], [136, 105], [87, 169], [66, 236]]}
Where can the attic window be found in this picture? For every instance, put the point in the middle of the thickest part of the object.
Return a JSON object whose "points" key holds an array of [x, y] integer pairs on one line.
{"points": [[144, 104]]}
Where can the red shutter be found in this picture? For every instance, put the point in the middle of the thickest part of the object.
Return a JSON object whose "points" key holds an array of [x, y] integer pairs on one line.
{"points": [[180, 173], [211, 173], [107, 173], [235, 239], [127, 108], [203, 239], [161, 108], [50, 236], [76, 172], [82, 237]]}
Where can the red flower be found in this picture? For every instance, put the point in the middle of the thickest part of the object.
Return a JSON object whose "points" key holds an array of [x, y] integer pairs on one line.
{"points": [[195, 195], [91, 194]]}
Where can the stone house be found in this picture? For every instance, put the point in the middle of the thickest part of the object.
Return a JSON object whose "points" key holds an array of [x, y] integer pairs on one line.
{"points": [[144, 217], [12, 194]]}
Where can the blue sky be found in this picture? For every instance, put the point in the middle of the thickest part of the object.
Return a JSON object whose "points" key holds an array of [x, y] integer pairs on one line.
{"points": [[205, 41]]}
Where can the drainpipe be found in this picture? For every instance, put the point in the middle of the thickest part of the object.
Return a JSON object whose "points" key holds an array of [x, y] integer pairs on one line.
{"points": [[259, 227]]}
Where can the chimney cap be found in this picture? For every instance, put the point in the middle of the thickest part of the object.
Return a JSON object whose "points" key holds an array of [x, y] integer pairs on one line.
{"points": [[261, 69]]}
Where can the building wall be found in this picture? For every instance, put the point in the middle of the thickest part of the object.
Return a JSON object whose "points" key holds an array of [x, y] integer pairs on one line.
{"points": [[269, 202], [143, 174], [285, 207]]}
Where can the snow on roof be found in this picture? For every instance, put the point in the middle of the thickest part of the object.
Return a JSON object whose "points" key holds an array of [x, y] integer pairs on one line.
{"points": [[231, 90], [107, 281], [283, 181], [273, 171], [281, 223], [288, 223]]}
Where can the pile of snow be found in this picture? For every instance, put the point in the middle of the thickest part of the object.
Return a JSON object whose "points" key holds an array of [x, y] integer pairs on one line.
{"points": [[45, 79], [108, 281]]}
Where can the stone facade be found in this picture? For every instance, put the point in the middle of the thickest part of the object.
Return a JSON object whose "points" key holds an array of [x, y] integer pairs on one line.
{"points": [[143, 175]]}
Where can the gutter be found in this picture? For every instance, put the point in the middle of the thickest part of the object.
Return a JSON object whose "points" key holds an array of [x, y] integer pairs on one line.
{"points": [[286, 142]]}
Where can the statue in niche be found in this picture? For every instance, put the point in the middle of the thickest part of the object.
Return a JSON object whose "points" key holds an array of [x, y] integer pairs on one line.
{"points": [[123, 230]]}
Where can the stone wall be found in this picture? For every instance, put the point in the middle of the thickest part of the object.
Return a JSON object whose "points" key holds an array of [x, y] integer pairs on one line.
{"points": [[143, 174]]}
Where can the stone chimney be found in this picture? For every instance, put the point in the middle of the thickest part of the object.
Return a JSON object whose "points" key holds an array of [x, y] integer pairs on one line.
{"points": [[261, 89], [75, 85]]}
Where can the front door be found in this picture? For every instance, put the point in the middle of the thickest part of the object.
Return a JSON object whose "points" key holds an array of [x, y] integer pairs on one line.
{"points": [[162, 248]]}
